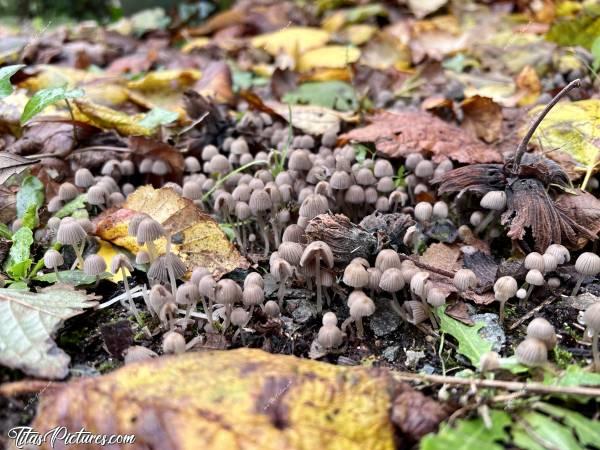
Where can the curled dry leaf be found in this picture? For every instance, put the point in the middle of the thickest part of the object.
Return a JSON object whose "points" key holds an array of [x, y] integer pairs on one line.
{"points": [[482, 117], [583, 208], [315, 120], [11, 164], [28, 321], [243, 399], [195, 236], [398, 134]]}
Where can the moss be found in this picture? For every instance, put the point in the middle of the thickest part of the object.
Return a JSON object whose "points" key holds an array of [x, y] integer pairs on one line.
{"points": [[107, 366], [562, 357]]}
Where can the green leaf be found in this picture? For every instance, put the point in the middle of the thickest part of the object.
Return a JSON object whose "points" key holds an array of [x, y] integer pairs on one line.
{"points": [[470, 342], [72, 277], [228, 230], [581, 30], [75, 204], [4, 231], [46, 97], [537, 428], [399, 179], [30, 198], [596, 54], [512, 365], [329, 94], [158, 116], [587, 430], [573, 376], [18, 261], [470, 434], [246, 80], [5, 74]]}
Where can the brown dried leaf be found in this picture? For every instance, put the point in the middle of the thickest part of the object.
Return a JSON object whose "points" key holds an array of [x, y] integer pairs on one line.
{"points": [[480, 178], [11, 164], [460, 312], [216, 82], [482, 118], [583, 208], [143, 147], [398, 134], [196, 237], [442, 256], [240, 400]]}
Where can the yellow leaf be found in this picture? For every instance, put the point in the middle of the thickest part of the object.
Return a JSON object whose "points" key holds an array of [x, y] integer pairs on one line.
{"points": [[315, 120], [108, 251], [195, 236], [358, 34], [291, 40], [572, 128], [331, 56], [168, 80], [58, 76], [194, 44], [242, 399], [108, 118]]}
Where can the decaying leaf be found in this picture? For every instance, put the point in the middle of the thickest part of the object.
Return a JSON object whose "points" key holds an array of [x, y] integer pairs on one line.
{"points": [[398, 134], [291, 40], [108, 118], [195, 236], [442, 256], [11, 164], [583, 208], [243, 399], [482, 117], [330, 56], [311, 119], [27, 323], [480, 178], [529, 207]]}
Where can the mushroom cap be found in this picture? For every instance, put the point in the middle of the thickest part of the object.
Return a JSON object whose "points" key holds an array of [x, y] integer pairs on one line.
{"points": [[320, 250], [159, 297], [330, 336], [160, 167], [424, 169], [391, 280], [253, 295], [187, 294], [53, 259], [505, 288], [260, 201], [340, 180], [363, 306], [329, 319], [365, 177], [207, 286], [560, 252], [386, 259], [198, 273], [534, 277], [465, 279], [418, 284], [532, 352], [588, 264], [192, 190], [227, 292], [70, 232], [412, 159], [299, 161], [137, 353], [534, 260], [242, 193], [362, 261], [149, 230], [120, 261], [591, 317], [540, 328], [272, 309], [313, 205], [242, 211], [254, 278], [355, 195], [173, 343], [436, 297], [94, 265], [158, 270], [440, 210], [178, 265], [415, 311], [374, 278], [192, 165], [521, 294], [355, 275], [208, 152], [239, 146], [398, 198], [476, 218], [550, 262], [54, 204], [239, 317], [116, 199], [67, 192], [84, 178], [293, 233], [134, 223], [281, 269], [423, 211], [127, 168], [142, 257], [494, 200], [383, 168], [97, 195]]}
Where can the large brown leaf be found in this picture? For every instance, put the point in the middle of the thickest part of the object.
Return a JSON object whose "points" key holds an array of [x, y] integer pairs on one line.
{"points": [[480, 178], [583, 208], [398, 134], [243, 399]]}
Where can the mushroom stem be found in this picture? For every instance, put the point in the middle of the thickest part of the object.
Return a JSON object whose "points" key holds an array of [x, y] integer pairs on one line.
{"points": [[489, 218], [529, 291], [396, 304], [58, 280], [79, 255], [170, 270], [281, 292], [501, 315], [265, 235], [227, 317], [146, 298], [577, 286], [360, 331], [207, 310], [430, 315], [276, 234], [345, 324], [188, 312], [318, 281], [131, 306], [596, 351]]}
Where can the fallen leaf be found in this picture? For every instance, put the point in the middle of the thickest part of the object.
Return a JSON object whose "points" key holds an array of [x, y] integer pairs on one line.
{"points": [[329, 94], [583, 208], [108, 252], [398, 134], [442, 256], [291, 40], [330, 56], [111, 119], [165, 80], [28, 320], [196, 237], [529, 86], [5, 74], [460, 312], [482, 117], [216, 82], [421, 8], [315, 120], [436, 38], [12, 164], [279, 402]]}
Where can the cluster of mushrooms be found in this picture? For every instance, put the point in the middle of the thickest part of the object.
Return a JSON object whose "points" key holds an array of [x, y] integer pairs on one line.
{"points": [[269, 206]]}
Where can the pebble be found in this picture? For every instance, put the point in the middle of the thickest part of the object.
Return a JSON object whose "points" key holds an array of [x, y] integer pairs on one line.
{"points": [[391, 353], [384, 321], [492, 331]]}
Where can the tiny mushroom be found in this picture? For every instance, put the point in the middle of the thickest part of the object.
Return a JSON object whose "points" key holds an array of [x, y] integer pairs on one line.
{"points": [[173, 343], [591, 318], [330, 336], [534, 278], [532, 352], [504, 288], [94, 265], [121, 263], [52, 260], [587, 264], [315, 253], [495, 201], [539, 328]]}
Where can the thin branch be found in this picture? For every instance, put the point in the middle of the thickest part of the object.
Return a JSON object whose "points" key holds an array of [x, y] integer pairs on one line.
{"points": [[523, 145], [535, 310], [532, 388]]}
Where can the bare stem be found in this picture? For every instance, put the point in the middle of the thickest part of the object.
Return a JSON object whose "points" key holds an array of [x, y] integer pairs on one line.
{"points": [[596, 352], [577, 286], [523, 145]]}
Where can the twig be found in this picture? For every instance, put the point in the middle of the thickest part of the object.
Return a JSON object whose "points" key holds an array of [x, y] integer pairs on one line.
{"points": [[529, 314], [532, 388], [21, 387], [523, 144]]}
